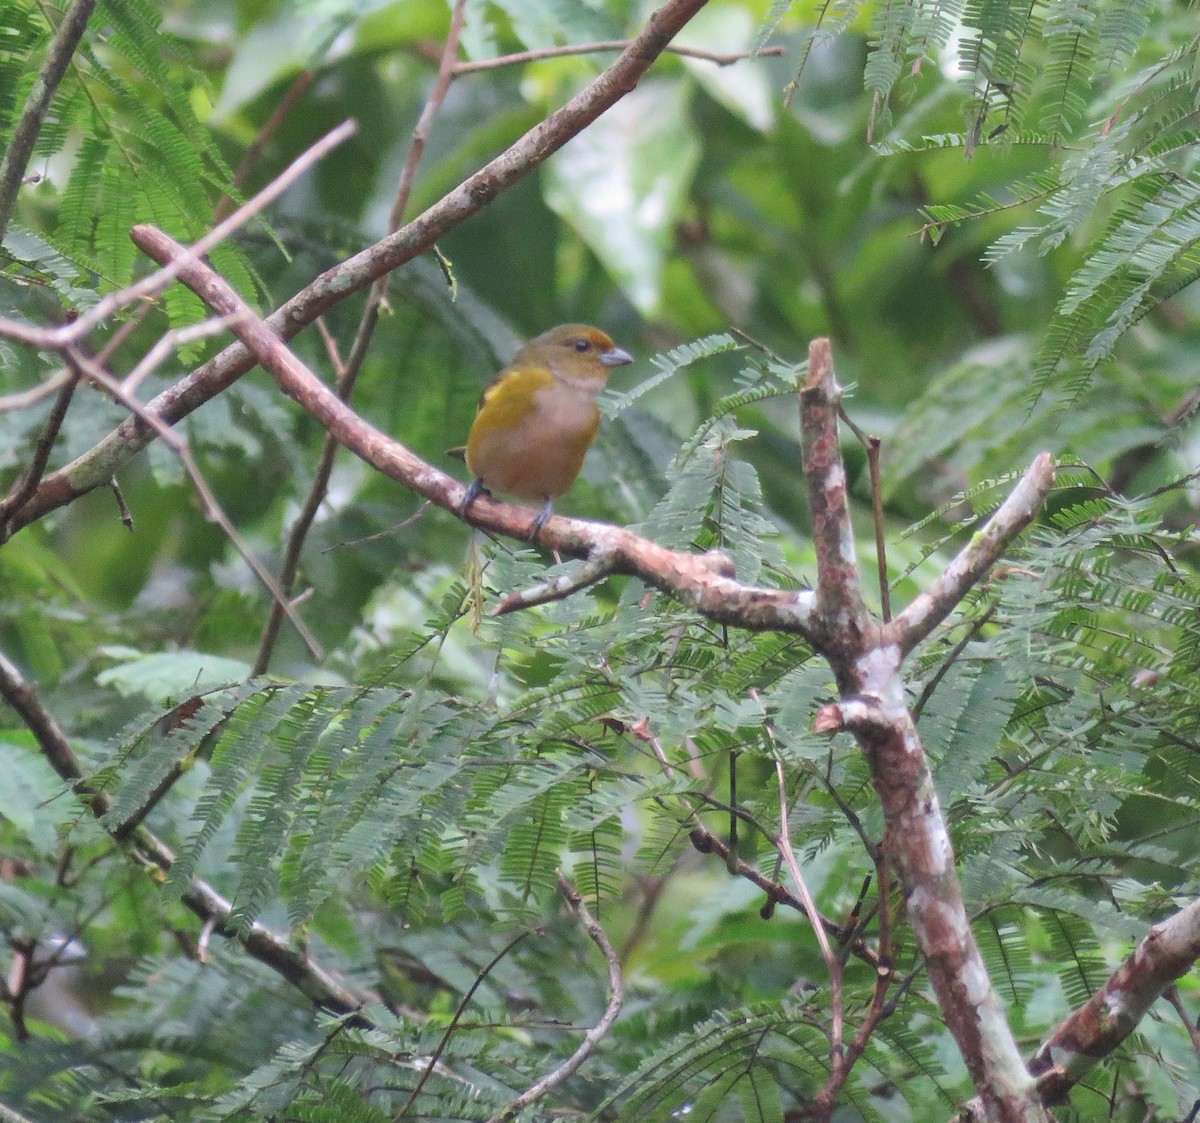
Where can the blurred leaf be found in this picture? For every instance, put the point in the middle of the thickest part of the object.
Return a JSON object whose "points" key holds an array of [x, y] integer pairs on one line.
{"points": [[622, 184]]}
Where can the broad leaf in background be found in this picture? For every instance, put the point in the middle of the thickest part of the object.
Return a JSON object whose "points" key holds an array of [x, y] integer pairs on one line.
{"points": [[622, 185]]}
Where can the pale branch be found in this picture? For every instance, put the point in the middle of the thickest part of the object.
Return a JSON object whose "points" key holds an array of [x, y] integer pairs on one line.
{"points": [[517, 58], [69, 334], [931, 607], [841, 612], [832, 963], [33, 116], [591, 1039], [149, 851], [1093, 1031], [97, 466], [704, 580], [557, 588], [27, 399]]}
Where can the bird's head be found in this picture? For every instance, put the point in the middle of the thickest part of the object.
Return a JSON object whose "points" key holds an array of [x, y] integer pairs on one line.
{"points": [[574, 352]]}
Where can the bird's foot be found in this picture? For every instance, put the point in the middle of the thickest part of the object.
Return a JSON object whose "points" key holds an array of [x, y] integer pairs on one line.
{"points": [[473, 492], [544, 514]]}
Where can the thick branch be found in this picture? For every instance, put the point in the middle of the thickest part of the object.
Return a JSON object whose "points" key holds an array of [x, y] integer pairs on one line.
{"points": [[918, 843], [704, 580], [20, 148], [1092, 1032], [96, 467]]}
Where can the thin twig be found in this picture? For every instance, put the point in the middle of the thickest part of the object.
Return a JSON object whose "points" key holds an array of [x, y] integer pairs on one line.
{"points": [[168, 342], [871, 446], [349, 371], [212, 509], [885, 592], [26, 399], [976, 627], [518, 57], [558, 588], [253, 152], [832, 962], [59, 338], [590, 1039], [1171, 994], [382, 533], [122, 507], [462, 1007], [24, 137], [28, 482], [446, 73]]}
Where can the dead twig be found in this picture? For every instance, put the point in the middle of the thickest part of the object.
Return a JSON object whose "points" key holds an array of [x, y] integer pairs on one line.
{"points": [[590, 1039]]}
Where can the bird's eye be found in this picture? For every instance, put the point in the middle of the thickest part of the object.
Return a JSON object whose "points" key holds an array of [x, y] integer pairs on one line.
{"points": [[582, 345]]}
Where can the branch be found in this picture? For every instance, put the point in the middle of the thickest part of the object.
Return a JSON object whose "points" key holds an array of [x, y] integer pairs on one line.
{"points": [[20, 148], [27, 484], [97, 466], [558, 588], [932, 606], [1092, 1032], [58, 339], [590, 1039], [918, 843], [840, 606], [704, 580], [519, 57], [458, 1013], [832, 963], [225, 205], [705, 842], [154, 855]]}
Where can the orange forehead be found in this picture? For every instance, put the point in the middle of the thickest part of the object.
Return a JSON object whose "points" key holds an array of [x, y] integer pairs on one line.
{"points": [[568, 333]]}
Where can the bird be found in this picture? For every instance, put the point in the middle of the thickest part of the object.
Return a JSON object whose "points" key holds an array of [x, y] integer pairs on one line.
{"points": [[538, 417]]}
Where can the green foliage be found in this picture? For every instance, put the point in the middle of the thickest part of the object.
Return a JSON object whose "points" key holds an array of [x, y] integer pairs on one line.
{"points": [[403, 811]]}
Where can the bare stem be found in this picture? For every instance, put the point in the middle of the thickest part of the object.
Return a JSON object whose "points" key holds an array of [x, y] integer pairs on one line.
{"points": [[591, 1039], [832, 962], [519, 57]]}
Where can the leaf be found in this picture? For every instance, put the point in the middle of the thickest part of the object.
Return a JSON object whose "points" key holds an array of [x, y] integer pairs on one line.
{"points": [[741, 88], [166, 677], [622, 184]]}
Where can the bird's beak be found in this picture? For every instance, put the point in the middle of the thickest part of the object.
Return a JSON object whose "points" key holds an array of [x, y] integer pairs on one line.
{"points": [[615, 357]]}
